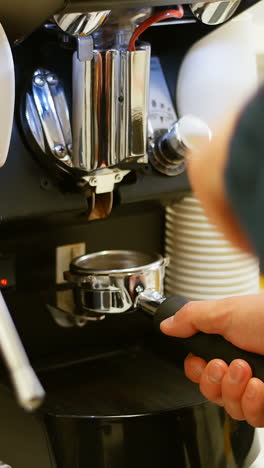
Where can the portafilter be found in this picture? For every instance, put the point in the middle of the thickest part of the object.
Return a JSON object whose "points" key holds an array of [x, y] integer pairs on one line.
{"points": [[110, 282]]}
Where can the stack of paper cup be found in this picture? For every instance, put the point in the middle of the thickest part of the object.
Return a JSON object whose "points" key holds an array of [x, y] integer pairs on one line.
{"points": [[203, 264]]}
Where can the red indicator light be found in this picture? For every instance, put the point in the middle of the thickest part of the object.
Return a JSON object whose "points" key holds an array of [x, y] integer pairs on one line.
{"points": [[3, 282]]}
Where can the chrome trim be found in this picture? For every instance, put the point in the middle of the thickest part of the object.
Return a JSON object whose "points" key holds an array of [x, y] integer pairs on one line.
{"points": [[48, 117], [173, 22], [110, 108], [97, 82], [61, 107], [115, 262], [123, 106], [84, 155], [112, 89], [34, 122], [47, 111], [138, 85]]}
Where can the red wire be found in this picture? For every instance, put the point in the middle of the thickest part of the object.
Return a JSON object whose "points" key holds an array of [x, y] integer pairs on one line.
{"points": [[161, 15]]}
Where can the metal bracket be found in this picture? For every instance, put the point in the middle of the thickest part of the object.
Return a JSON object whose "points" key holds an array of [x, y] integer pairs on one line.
{"points": [[85, 48], [105, 180], [47, 115]]}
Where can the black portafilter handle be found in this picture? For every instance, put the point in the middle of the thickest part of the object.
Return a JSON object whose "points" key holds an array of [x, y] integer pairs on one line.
{"points": [[206, 346]]}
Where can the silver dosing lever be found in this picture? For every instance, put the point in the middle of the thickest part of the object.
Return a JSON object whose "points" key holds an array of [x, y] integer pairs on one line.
{"points": [[28, 389], [168, 154]]}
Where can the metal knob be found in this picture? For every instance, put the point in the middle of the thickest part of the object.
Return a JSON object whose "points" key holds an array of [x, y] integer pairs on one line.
{"points": [[188, 133]]}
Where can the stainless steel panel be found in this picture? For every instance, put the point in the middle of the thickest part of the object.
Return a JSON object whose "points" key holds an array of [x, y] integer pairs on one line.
{"points": [[110, 108], [138, 93], [82, 121]]}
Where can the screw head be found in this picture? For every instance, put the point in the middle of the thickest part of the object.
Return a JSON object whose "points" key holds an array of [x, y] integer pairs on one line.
{"points": [[60, 151], [39, 80], [93, 181], [118, 177]]}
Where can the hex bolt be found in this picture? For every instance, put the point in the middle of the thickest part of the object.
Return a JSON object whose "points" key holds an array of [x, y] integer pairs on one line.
{"points": [[39, 80], [60, 150]]}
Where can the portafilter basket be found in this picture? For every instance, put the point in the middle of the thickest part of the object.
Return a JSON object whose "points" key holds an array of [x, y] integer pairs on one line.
{"points": [[111, 282]]}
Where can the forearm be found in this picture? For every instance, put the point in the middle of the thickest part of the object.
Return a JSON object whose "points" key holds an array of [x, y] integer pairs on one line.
{"points": [[244, 172]]}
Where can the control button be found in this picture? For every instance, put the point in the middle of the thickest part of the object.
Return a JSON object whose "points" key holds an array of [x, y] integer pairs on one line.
{"points": [[7, 271]]}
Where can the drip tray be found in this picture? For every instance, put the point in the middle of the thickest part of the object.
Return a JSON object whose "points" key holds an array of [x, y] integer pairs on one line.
{"points": [[133, 408], [130, 382]]}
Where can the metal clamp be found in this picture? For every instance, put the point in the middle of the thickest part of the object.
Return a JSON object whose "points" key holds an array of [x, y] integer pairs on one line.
{"points": [[168, 153], [48, 116]]}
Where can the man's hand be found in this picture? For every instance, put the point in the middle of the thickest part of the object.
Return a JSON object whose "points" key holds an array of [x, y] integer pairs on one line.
{"points": [[239, 320], [206, 173]]}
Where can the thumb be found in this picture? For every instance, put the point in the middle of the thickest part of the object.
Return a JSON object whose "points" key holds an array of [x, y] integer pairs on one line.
{"points": [[239, 320], [206, 316]]}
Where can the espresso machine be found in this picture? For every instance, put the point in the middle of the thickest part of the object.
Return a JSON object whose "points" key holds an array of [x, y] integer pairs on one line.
{"points": [[97, 151]]}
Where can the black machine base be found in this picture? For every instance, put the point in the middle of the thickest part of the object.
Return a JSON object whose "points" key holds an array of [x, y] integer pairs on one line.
{"points": [[126, 409]]}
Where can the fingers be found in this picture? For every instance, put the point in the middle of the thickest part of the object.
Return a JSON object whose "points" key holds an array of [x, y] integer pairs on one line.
{"points": [[230, 386], [209, 376], [252, 402], [233, 387], [194, 367], [211, 380]]}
